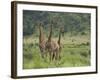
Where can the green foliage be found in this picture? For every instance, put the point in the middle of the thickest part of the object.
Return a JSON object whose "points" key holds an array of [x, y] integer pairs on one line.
{"points": [[72, 22]]}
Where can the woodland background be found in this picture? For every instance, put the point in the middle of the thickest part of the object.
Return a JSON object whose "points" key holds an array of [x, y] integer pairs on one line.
{"points": [[75, 23]]}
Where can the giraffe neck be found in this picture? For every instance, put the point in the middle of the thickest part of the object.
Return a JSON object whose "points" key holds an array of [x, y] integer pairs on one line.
{"points": [[59, 39], [50, 35], [41, 36]]}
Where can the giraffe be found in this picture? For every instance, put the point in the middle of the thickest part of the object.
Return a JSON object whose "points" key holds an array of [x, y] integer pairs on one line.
{"points": [[52, 46], [42, 40], [60, 45]]}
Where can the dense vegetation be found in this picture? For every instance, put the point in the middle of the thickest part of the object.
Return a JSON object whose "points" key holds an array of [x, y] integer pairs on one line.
{"points": [[72, 22], [76, 38]]}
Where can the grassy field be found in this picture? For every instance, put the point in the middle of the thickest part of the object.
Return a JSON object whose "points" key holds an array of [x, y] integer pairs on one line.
{"points": [[75, 53]]}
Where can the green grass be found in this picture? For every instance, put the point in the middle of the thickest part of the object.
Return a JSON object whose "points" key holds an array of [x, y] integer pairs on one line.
{"points": [[75, 53]]}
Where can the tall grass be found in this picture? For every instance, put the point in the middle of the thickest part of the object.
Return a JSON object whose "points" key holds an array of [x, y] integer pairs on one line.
{"points": [[75, 53]]}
